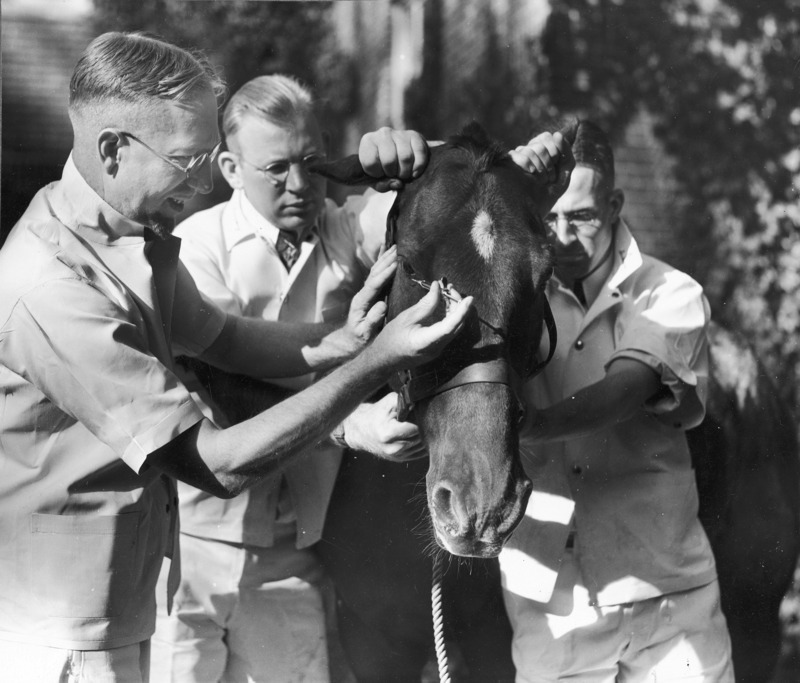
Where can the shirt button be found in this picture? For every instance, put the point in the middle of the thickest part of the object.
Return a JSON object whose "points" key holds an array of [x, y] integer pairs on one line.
{"points": [[579, 344], [577, 469]]}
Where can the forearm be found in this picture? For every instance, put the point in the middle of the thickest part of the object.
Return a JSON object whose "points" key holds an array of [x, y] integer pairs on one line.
{"points": [[604, 404], [263, 348], [243, 454]]}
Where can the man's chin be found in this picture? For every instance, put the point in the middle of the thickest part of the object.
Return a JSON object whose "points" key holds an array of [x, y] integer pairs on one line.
{"points": [[567, 272]]}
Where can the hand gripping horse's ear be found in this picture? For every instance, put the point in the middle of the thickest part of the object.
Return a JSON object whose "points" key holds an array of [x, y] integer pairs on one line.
{"points": [[348, 170]]}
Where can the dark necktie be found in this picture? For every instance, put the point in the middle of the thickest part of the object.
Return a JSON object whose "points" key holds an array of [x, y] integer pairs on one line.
{"points": [[288, 252], [577, 290]]}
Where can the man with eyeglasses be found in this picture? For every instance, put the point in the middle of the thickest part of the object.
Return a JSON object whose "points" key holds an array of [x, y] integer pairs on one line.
{"points": [[95, 425], [250, 599], [610, 576]]}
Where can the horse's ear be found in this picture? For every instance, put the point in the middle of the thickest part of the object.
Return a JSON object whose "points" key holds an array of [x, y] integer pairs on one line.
{"points": [[347, 171], [569, 130]]}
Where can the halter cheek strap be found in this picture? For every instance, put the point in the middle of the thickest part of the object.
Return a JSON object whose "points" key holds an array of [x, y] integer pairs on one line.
{"points": [[412, 388]]}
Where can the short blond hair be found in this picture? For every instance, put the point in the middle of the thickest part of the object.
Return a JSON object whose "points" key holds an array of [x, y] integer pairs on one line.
{"points": [[277, 99]]}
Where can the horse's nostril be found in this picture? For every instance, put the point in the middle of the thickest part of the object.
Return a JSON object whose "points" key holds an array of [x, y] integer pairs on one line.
{"points": [[442, 498]]}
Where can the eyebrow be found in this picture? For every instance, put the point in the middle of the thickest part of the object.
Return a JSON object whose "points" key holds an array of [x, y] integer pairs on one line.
{"points": [[281, 160], [197, 154]]}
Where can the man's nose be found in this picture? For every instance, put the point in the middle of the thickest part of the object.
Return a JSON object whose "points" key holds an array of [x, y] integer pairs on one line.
{"points": [[562, 230], [202, 180], [298, 178]]}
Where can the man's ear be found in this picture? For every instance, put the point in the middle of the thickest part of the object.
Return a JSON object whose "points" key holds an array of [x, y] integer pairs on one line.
{"points": [[231, 169], [109, 143], [616, 200]]}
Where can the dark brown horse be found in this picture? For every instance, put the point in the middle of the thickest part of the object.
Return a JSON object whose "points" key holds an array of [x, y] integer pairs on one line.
{"points": [[473, 222], [473, 219]]}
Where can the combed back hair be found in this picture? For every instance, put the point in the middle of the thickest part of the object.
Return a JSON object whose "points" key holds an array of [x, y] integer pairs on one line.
{"points": [[137, 68], [277, 99], [592, 148]]}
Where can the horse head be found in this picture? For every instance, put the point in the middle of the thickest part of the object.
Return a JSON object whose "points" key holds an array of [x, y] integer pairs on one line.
{"points": [[473, 222]]}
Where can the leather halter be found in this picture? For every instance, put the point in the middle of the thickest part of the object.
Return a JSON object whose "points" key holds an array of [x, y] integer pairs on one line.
{"points": [[412, 388]]}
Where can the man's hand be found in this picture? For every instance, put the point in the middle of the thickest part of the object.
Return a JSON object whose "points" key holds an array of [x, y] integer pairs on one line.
{"points": [[549, 158], [367, 309], [410, 340], [373, 427], [396, 155]]}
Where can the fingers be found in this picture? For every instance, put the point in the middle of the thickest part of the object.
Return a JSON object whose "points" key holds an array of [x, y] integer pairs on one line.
{"points": [[396, 155], [426, 306], [379, 275], [439, 333], [543, 155], [375, 315]]}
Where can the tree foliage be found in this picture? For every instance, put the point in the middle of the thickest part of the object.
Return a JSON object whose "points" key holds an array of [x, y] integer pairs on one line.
{"points": [[721, 79], [245, 39]]}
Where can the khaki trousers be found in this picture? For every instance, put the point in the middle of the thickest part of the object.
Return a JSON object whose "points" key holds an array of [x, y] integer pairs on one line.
{"points": [[677, 637], [242, 614]]}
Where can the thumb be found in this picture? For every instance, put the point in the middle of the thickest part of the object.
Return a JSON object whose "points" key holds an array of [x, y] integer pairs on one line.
{"points": [[427, 305], [376, 314]]}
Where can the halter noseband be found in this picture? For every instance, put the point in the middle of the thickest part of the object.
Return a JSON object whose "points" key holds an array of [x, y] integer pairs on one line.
{"points": [[412, 388]]}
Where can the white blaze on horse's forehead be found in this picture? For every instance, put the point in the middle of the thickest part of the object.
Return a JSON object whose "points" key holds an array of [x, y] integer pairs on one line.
{"points": [[483, 234]]}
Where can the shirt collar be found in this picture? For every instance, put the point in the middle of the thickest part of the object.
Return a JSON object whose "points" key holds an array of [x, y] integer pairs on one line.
{"points": [[80, 208], [248, 222], [627, 257]]}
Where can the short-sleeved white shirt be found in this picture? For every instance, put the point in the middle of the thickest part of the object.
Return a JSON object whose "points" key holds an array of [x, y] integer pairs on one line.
{"points": [[90, 315], [632, 486]]}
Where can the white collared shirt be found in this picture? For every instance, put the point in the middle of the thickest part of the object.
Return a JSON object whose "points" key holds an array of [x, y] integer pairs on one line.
{"points": [[90, 315], [632, 486], [230, 251]]}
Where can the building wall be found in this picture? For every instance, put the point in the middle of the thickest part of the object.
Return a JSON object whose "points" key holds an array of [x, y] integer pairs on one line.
{"points": [[38, 55]]}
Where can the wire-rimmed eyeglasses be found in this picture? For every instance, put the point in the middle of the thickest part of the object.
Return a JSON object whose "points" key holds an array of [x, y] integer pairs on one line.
{"points": [[278, 171], [584, 221], [196, 162]]}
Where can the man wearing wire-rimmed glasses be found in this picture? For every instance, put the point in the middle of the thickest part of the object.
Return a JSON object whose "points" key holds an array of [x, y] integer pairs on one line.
{"points": [[610, 576], [249, 600]]}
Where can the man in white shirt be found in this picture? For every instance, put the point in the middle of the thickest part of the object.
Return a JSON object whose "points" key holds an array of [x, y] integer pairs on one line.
{"points": [[249, 602], [616, 580], [95, 426]]}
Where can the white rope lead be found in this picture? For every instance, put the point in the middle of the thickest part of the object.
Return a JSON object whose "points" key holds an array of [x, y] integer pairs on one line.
{"points": [[438, 619]]}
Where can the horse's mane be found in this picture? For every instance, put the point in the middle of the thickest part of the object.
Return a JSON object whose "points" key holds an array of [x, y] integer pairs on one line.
{"points": [[486, 153]]}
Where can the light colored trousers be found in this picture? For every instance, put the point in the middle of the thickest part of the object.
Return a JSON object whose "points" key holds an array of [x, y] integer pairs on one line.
{"points": [[677, 637], [23, 663], [242, 614]]}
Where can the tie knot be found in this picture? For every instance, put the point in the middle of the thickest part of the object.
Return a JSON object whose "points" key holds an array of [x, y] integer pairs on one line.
{"points": [[287, 250]]}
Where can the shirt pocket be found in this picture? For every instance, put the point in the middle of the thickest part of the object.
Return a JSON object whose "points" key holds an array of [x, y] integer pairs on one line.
{"points": [[84, 566]]}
